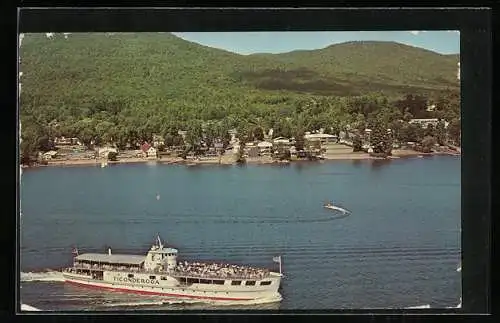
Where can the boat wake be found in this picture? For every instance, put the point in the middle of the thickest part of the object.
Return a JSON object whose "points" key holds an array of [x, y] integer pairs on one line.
{"points": [[268, 300], [48, 276], [148, 303], [419, 306], [154, 303], [429, 306], [26, 307]]}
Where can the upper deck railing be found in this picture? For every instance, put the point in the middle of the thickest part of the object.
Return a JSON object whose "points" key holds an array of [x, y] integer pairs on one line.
{"points": [[178, 273]]}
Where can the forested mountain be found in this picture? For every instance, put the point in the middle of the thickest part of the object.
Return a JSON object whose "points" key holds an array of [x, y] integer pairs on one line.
{"points": [[359, 67], [130, 85]]}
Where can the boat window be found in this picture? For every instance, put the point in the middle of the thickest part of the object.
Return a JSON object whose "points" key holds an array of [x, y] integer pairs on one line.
{"points": [[193, 280], [250, 282], [152, 277], [218, 282], [265, 283], [236, 282], [130, 275], [163, 278], [205, 281]]}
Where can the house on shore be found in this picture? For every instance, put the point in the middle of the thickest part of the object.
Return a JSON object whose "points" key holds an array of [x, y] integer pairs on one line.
{"points": [[281, 141], [63, 141], [158, 141], [323, 138], [265, 148], [49, 155], [149, 151], [252, 150], [219, 148], [424, 123]]}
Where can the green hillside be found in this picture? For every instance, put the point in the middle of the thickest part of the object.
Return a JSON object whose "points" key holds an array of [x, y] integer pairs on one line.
{"points": [[129, 86], [155, 66], [355, 68]]}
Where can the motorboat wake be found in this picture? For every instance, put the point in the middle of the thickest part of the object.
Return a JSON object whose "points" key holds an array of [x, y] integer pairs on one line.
{"points": [[26, 307]]}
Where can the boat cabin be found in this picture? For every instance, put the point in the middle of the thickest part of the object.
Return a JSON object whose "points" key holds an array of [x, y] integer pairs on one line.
{"points": [[160, 258], [109, 261]]}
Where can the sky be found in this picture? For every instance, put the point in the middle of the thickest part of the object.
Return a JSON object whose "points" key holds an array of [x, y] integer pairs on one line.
{"points": [[443, 42]]}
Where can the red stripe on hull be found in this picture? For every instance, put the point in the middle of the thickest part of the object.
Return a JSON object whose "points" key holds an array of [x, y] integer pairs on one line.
{"points": [[143, 292]]}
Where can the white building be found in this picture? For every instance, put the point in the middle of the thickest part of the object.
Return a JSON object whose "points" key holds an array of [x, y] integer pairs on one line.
{"points": [[49, 155], [323, 137], [152, 153], [425, 122], [158, 141]]}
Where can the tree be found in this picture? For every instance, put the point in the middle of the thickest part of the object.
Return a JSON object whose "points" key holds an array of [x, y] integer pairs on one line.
{"points": [[44, 143], [258, 133], [168, 139], [427, 144], [194, 134], [357, 144], [454, 131], [282, 128], [104, 131], [243, 133], [283, 152], [419, 132], [430, 131], [210, 134], [86, 131], [28, 151], [34, 139], [240, 156], [441, 133], [448, 105], [407, 116], [112, 156], [177, 140], [380, 139], [416, 105], [299, 140], [360, 123]]}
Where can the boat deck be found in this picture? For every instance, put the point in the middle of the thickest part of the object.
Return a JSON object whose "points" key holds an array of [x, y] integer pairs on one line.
{"points": [[192, 270]]}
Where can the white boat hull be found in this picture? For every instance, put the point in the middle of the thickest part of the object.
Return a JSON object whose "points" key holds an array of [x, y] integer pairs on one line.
{"points": [[336, 208], [171, 288]]}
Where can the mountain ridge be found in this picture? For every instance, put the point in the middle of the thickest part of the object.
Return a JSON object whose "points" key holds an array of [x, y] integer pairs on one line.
{"points": [[166, 68]]}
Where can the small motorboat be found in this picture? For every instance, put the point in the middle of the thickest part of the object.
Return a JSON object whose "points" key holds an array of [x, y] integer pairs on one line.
{"points": [[331, 206]]}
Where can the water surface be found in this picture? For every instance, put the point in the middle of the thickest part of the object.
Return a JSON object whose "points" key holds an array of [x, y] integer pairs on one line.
{"points": [[399, 247]]}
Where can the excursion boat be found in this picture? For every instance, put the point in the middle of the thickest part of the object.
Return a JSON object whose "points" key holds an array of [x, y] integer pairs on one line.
{"points": [[159, 273]]}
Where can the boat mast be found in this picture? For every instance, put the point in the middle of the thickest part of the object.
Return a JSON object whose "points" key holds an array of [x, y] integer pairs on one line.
{"points": [[278, 260], [159, 242]]}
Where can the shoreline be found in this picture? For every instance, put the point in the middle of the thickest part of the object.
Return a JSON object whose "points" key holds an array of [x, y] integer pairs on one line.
{"points": [[228, 160]]}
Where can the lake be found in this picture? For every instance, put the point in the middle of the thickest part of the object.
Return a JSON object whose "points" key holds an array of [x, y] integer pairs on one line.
{"points": [[400, 246]]}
